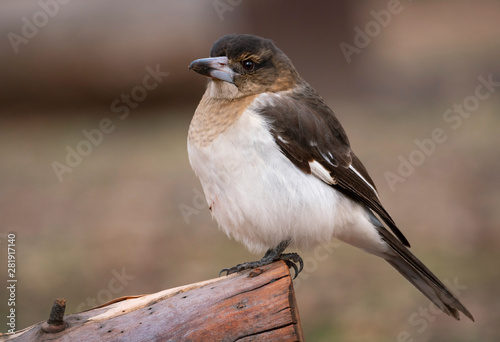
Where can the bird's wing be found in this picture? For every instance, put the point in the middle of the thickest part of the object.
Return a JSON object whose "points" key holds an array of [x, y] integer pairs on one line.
{"points": [[311, 137]]}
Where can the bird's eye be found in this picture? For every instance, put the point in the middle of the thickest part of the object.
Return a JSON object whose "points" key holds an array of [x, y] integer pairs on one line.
{"points": [[248, 65]]}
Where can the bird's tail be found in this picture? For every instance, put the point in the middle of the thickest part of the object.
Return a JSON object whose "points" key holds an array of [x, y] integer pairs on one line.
{"points": [[421, 277]]}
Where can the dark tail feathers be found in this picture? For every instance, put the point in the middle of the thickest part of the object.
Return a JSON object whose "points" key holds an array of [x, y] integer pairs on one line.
{"points": [[421, 277]]}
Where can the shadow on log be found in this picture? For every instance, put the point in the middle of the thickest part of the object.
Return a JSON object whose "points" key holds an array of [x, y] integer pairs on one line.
{"points": [[255, 305]]}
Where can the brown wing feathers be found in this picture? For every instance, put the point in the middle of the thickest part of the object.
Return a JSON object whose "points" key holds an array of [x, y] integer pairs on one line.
{"points": [[307, 130]]}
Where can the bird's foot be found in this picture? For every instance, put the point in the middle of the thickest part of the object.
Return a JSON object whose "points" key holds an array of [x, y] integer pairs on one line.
{"points": [[291, 260]]}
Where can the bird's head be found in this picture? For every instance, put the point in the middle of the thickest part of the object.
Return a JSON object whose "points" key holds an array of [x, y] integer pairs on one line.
{"points": [[242, 65]]}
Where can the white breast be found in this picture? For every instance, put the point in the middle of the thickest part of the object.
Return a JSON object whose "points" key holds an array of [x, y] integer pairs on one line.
{"points": [[260, 198]]}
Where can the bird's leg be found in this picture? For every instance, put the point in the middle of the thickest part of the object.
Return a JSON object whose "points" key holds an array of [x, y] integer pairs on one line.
{"points": [[272, 255]]}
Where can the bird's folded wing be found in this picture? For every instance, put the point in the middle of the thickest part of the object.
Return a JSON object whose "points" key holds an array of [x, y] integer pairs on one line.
{"points": [[311, 137]]}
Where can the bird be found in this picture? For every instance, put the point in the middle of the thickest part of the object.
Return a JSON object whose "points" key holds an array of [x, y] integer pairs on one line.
{"points": [[278, 171]]}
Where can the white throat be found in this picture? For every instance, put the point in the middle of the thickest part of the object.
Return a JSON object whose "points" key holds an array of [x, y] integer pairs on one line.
{"points": [[222, 90]]}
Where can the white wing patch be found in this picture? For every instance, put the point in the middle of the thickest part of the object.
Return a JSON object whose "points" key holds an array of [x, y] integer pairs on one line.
{"points": [[320, 172], [283, 140], [364, 180]]}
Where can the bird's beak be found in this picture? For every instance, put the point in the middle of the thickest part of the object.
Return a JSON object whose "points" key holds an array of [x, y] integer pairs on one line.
{"points": [[215, 67]]}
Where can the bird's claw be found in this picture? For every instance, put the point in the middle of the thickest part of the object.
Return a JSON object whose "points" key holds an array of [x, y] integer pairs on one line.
{"points": [[291, 260], [224, 270]]}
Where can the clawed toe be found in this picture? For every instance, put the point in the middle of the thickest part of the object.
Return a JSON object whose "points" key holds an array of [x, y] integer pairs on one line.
{"points": [[231, 270], [291, 259], [241, 267]]}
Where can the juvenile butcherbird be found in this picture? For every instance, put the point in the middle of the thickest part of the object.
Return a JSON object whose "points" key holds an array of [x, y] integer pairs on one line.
{"points": [[278, 171]]}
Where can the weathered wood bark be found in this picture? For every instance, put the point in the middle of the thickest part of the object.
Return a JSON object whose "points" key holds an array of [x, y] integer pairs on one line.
{"points": [[256, 305]]}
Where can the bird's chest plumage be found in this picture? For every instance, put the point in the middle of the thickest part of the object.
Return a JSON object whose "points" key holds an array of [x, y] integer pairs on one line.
{"points": [[256, 194], [236, 168]]}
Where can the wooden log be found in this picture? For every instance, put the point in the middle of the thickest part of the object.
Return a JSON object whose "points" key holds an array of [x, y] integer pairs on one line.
{"points": [[255, 305]]}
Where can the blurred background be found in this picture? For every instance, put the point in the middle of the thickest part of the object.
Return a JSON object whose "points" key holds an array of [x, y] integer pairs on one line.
{"points": [[96, 100]]}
